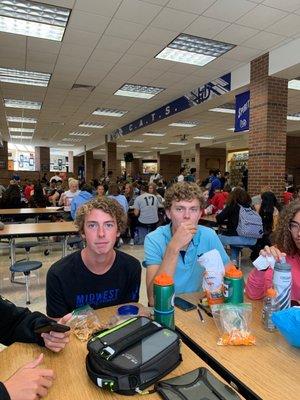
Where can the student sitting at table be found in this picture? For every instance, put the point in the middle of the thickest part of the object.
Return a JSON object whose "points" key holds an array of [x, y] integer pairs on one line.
{"points": [[17, 324], [84, 196], [67, 197], [175, 248], [98, 275], [287, 239], [38, 199]]}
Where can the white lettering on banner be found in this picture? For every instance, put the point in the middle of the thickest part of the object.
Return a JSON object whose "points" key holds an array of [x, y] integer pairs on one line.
{"points": [[141, 123], [244, 108], [167, 112], [130, 127], [243, 122], [153, 116]]}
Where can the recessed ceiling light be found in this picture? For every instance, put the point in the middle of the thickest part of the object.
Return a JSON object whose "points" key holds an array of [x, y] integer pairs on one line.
{"points": [[122, 145], [194, 50], [139, 91], [92, 125], [109, 112], [20, 137], [77, 133], [223, 110], [71, 140], [134, 141], [22, 119], [185, 124], [24, 17], [159, 148], [30, 105], [153, 134], [24, 77], [294, 84], [179, 143], [294, 117], [27, 130], [230, 129], [24, 147], [204, 137]]}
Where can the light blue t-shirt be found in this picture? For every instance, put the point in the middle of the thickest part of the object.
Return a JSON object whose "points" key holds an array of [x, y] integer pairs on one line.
{"points": [[189, 274]]}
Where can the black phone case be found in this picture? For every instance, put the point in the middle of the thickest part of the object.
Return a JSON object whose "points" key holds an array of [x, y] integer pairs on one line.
{"points": [[52, 327]]}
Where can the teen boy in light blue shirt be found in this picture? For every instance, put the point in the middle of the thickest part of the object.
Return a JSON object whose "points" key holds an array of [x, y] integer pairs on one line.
{"points": [[175, 248]]}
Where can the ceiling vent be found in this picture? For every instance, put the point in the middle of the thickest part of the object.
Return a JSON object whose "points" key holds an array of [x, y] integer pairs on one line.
{"points": [[78, 86]]}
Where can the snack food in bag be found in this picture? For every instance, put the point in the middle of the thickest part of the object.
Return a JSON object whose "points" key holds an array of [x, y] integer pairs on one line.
{"points": [[84, 323]]}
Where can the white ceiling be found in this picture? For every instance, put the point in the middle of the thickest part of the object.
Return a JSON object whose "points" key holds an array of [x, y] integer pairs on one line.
{"points": [[109, 43]]}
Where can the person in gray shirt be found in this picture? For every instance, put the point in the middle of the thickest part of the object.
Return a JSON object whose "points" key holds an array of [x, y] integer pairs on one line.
{"points": [[146, 207]]}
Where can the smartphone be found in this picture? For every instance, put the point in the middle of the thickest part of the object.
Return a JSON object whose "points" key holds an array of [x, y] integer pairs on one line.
{"points": [[184, 304], [52, 326]]}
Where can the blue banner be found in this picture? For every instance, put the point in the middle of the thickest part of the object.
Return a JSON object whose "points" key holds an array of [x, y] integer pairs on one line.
{"points": [[197, 96], [242, 112]]}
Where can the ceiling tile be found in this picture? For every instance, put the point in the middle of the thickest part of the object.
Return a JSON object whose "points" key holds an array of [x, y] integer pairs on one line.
{"points": [[88, 22], [47, 46], [229, 10], [135, 10], [206, 27], [102, 7], [261, 17], [113, 44], [194, 6], [264, 40], [61, 3], [173, 20], [286, 5], [132, 60], [69, 49], [158, 36], [81, 38], [9, 39], [235, 34], [288, 26], [242, 53], [124, 29], [144, 49], [105, 55]]}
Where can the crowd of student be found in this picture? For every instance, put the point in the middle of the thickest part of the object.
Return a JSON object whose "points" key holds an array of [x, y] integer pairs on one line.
{"points": [[100, 275]]}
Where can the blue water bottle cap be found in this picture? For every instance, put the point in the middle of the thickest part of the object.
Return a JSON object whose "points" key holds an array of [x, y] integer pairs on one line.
{"points": [[128, 310]]}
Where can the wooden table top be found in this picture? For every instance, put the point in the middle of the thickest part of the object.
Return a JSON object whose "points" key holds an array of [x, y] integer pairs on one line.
{"points": [[271, 368], [30, 211], [72, 381], [38, 229], [209, 218]]}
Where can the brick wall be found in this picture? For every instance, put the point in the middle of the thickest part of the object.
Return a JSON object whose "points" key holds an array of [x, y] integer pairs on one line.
{"points": [[111, 159], [267, 135], [207, 158], [169, 165]]}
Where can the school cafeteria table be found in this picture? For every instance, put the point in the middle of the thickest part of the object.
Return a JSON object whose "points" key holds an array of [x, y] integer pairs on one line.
{"points": [[72, 381], [209, 220], [13, 231], [10, 213], [269, 370]]}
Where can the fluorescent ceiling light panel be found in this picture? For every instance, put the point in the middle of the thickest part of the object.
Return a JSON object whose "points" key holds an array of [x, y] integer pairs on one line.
{"points": [[138, 91], [30, 105], [24, 17], [122, 145], [230, 129], [65, 144], [27, 130], [134, 141], [92, 125], [294, 117], [153, 134], [204, 137], [179, 143], [71, 140], [108, 112], [20, 137], [24, 77], [22, 120], [223, 110], [185, 124], [77, 133], [144, 151], [194, 50], [294, 84], [159, 148]]}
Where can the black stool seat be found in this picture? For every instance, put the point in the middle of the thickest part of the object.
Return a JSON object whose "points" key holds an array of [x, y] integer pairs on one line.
{"points": [[25, 266], [74, 240], [26, 245]]}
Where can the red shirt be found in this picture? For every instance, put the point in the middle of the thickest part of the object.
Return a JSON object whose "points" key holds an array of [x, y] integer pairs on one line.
{"points": [[27, 191], [287, 197], [218, 200]]}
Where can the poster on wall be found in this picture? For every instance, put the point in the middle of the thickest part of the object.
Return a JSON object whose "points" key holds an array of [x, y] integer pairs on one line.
{"points": [[149, 167]]}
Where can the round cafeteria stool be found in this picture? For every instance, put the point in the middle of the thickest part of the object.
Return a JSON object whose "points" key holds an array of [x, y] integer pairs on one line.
{"points": [[25, 267], [27, 246], [75, 240]]}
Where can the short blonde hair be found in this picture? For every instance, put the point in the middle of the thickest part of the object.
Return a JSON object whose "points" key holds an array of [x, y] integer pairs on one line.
{"points": [[109, 206], [183, 191]]}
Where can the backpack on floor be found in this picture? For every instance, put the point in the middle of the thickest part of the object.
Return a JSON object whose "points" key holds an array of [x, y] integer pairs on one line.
{"points": [[250, 223]]}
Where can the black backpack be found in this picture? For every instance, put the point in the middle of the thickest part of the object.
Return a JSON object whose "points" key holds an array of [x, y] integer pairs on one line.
{"points": [[132, 356]]}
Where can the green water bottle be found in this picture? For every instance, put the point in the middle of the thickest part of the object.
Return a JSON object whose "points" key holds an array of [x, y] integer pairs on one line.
{"points": [[233, 285], [163, 291]]}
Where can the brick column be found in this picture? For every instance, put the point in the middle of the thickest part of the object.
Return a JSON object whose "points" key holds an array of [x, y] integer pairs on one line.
{"points": [[268, 125], [97, 168], [77, 162], [88, 166], [42, 159], [111, 158], [134, 168], [169, 165], [71, 161], [3, 156], [207, 158], [292, 158]]}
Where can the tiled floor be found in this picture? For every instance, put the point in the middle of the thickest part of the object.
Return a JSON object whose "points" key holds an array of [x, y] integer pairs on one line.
{"points": [[16, 293]]}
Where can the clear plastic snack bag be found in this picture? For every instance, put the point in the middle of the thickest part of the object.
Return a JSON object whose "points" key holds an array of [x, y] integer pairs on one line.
{"points": [[84, 323], [233, 323]]}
